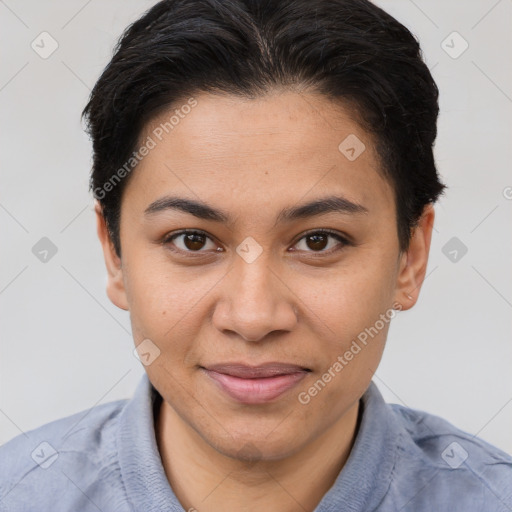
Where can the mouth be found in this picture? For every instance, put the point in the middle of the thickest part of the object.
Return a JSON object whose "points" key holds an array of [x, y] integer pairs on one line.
{"points": [[255, 384]]}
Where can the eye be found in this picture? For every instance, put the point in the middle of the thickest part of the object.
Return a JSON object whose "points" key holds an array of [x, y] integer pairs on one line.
{"points": [[321, 241], [317, 241], [191, 241]]}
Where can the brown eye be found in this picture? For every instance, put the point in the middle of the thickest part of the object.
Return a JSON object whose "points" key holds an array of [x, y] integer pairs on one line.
{"points": [[194, 242], [317, 242], [191, 241], [321, 241]]}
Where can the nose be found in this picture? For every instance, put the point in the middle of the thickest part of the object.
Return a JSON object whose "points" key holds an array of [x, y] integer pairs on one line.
{"points": [[255, 302]]}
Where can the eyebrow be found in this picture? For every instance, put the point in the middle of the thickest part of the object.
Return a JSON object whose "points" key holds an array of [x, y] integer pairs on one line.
{"points": [[201, 210]]}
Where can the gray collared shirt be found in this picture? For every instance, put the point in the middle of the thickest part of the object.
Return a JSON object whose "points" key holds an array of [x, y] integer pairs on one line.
{"points": [[107, 459]]}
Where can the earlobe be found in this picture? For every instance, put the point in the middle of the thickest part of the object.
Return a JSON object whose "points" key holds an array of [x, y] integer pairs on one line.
{"points": [[115, 282], [413, 264]]}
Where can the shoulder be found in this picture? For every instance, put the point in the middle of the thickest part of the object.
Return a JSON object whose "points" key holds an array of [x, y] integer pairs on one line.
{"points": [[440, 441], [440, 464], [48, 458]]}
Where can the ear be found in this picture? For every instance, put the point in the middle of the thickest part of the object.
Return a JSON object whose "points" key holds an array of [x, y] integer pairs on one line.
{"points": [[413, 263], [115, 283]]}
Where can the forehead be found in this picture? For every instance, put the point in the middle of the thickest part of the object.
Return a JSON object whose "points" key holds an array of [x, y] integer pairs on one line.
{"points": [[263, 152]]}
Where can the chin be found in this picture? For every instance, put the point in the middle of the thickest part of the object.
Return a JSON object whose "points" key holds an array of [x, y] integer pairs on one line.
{"points": [[252, 448]]}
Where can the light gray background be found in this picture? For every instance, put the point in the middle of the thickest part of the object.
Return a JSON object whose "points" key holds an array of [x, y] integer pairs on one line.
{"points": [[64, 347]]}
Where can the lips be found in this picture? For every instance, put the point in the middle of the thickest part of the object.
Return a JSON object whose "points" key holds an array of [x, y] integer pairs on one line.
{"points": [[256, 372], [255, 384]]}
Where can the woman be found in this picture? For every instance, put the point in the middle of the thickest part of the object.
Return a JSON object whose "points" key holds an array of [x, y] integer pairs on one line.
{"points": [[264, 184]]}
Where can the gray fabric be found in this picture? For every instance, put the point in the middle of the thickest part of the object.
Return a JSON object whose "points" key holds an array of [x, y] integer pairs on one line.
{"points": [[107, 459]]}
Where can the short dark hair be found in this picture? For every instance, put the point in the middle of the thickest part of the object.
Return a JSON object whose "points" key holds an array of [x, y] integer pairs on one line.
{"points": [[348, 50]]}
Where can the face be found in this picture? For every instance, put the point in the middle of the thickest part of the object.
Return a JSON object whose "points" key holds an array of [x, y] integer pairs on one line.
{"points": [[262, 262]]}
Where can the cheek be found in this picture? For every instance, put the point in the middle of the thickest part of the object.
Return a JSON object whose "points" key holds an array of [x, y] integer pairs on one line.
{"points": [[348, 299], [163, 300]]}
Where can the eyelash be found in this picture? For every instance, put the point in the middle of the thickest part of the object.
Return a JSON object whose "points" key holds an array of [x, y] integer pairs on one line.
{"points": [[334, 234]]}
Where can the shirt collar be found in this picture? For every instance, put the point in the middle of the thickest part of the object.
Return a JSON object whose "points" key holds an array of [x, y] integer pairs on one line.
{"points": [[142, 471], [360, 486], [366, 476]]}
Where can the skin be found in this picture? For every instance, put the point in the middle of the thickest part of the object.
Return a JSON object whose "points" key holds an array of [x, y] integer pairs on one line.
{"points": [[297, 302]]}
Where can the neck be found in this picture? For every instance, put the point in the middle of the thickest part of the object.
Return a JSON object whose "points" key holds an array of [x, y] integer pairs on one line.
{"points": [[205, 480]]}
